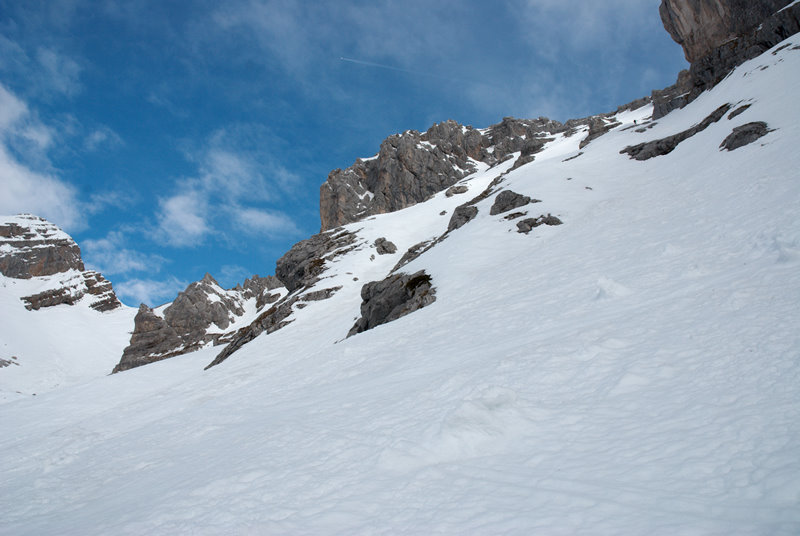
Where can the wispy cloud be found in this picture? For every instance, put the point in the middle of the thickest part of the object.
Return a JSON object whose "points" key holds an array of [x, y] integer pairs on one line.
{"points": [[26, 189], [150, 291], [110, 256], [102, 137], [228, 194], [264, 222], [183, 218], [61, 72]]}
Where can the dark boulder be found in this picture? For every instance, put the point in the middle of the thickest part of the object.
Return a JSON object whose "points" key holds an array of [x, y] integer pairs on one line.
{"points": [[385, 247], [744, 135], [527, 224], [462, 215], [392, 298], [508, 200]]}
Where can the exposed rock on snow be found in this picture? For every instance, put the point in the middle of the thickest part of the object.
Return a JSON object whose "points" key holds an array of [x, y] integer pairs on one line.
{"points": [[597, 127], [152, 340], [269, 321], [701, 26], [201, 314], [411, 167], [302, 265], [744, 135], [525, 226], [32, 247], [393, 298], [508, 200], [413, 252], [35, 248], [717, 36], [457, 189], [70, 290], [462, 215], [660, 147], [385, 247]]}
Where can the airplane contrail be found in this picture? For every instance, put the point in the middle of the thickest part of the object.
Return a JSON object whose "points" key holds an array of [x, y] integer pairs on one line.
{"points": [[380, 66], [411, 71]]}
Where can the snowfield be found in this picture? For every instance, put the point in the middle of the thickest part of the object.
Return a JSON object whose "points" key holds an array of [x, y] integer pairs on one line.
{"points": [[635, 370]]}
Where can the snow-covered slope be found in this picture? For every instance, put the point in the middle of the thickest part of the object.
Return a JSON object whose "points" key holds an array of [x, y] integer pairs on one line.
{"points": [[60, 324], [632, 371]]}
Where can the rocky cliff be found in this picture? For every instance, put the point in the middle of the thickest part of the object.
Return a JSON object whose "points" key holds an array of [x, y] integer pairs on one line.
{"points": [[31, 247], [411, 167], [718, 35], [204, 313]]}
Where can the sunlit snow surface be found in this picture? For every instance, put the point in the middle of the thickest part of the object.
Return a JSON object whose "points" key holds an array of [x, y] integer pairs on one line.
{"points": [[633, 371]]}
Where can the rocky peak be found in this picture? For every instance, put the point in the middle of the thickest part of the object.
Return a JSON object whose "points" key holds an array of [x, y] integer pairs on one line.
{"points": [[32, 247]]}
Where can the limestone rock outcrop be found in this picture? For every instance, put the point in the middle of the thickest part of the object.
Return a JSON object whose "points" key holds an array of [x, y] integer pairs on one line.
{"points": [[744, 135], [717, 36], [32, 247], [203, 313], [700, 26], [393, 298], [302, 265], [411, 167]]}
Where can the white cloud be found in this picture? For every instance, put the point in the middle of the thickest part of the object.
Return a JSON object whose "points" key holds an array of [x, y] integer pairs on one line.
{"points": [[150, 291], [102, 137], [182, 218], [62, 73], [26, 189], [264, 222], [109, 256], [235, 176]]}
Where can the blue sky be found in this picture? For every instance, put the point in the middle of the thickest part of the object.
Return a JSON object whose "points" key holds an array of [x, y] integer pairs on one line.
{"points": [[175, 138]]}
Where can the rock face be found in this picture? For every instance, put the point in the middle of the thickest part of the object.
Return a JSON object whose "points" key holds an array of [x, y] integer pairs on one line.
{"points": [[508, 200], [413, 166], [393, 298], [700, 26], [717, 36], [744, 135], [31, 247], [201, 314], [305, 261], [152, 340], [660, 147]]}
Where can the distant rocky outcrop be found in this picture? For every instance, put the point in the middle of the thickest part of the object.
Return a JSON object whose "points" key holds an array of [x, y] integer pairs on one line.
{"points": [[201, 314], [411, 167], [302, 265], [660, 147], [525, 226], [32, 247], [393, 298], [717, 36], [744, 135]]}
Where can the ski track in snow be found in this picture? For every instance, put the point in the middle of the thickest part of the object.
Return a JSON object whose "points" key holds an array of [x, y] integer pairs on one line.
{"points": [[633, 371]]}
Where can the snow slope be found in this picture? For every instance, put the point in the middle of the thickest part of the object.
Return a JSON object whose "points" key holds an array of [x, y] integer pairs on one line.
{"points": [[633, 371]]}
